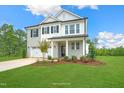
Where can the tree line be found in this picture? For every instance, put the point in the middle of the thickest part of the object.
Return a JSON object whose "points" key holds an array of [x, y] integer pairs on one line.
{"points": [[119, 51], [12, 41]]}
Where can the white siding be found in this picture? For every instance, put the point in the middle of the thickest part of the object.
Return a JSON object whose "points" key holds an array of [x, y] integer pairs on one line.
{"points": [[49, 20], [78, 53], [33, 41], [66, 16], [55, 50]]}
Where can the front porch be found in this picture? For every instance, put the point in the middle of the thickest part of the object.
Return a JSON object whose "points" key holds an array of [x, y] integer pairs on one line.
{"points": [[61, 47]]}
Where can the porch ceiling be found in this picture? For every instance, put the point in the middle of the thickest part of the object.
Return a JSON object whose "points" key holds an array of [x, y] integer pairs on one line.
{"points": [[69, 36]]}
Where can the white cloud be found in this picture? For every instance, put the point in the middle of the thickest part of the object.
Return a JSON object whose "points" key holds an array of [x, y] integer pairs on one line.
{"points": [[94, 7], [110, 40], [53, 9], [100, 41], [43, 10]]}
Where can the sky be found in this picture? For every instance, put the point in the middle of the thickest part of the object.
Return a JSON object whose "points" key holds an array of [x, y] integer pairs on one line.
{"points": [[104, 22]]}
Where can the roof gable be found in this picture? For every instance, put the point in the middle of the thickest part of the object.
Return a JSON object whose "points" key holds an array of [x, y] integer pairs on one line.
{"points": [[64, 15], [49, 19]]}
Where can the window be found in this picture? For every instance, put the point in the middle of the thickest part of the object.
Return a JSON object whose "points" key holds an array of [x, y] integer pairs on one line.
{"points": [[34, 33], [55, 29], [77, 28], [72, 29], [45, 30], [72, 46], [77, 45], [66, 29]]}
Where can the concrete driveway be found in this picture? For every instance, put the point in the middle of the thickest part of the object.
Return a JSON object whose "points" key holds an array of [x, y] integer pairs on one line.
{"points": [[7, 65]]}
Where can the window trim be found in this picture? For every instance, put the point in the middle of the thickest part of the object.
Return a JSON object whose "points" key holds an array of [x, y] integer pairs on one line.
{"points": [[72, 29], [66, 29], [77, 48], [77, 28], [34, 32], [73, 46], [45, 30]]}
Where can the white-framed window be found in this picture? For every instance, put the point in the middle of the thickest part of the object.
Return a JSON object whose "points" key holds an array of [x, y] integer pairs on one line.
{"points": [[66, 29], [55, 29], [72, 45], [45, 30], [77, 28], [34, 32], [77, 45], [72, 29]]}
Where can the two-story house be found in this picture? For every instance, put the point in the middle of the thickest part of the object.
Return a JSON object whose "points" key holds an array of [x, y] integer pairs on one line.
{"points": [[66, 31]]}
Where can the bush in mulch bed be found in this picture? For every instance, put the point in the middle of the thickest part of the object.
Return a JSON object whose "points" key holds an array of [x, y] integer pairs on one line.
{"points": [[74, 59], [83, 60]]}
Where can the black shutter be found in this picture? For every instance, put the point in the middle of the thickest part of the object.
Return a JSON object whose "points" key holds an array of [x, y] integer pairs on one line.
{"points": [[57, 29], [42, 30], [31, 33], [51, 29], [37, 32]]}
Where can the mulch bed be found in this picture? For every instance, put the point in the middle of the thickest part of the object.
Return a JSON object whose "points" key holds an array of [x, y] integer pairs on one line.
{"points": [[93, 63]]}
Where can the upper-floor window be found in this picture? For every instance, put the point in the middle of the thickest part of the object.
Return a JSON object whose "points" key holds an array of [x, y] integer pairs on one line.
{"points": [[45, 30], [66, 29], [77, 28], [34, 32], [72, 29], [55, 29]]}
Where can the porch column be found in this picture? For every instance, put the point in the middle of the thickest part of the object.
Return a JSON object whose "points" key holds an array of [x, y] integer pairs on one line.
{"points": [[66, 47], [52, 49], [84, 46]]}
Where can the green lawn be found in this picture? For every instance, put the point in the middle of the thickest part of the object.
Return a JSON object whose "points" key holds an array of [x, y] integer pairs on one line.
{"points": [[6, 58], [67, 75]]}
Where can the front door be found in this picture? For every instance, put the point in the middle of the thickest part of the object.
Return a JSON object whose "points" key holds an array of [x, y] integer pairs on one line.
{"points": [[62, 51]]}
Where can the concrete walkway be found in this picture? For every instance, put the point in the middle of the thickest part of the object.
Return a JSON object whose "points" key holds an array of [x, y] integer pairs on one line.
{"points": [[7, 65]]}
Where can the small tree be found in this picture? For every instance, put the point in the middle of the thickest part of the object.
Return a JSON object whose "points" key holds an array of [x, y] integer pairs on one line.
{"points": [[43, 46], [92, 53], [92, 49]]}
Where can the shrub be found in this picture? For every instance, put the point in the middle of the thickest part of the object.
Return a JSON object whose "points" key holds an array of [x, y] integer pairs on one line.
{"points": [[82, 58], [24, 53], [49, 57], [66, 58], [92, 52], [74, 59], [85, 59]]}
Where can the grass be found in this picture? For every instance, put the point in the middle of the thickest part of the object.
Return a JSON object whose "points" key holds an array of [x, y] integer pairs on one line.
{"points": [[68, 75], [6, 58]]}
